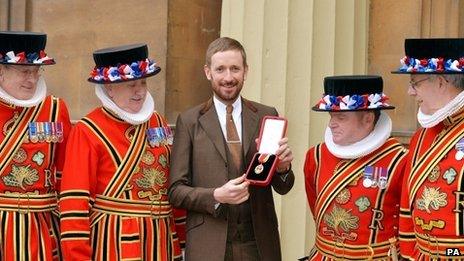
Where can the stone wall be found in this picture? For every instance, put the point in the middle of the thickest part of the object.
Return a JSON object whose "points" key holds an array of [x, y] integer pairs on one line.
{"points": [[177, 33]]}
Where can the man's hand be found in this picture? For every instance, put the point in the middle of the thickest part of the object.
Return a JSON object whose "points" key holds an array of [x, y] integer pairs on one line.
{"points": [[285, 155], [235, 191]]}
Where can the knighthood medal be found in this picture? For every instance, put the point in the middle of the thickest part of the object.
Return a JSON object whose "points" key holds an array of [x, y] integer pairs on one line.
{"points": [[48, 131], [263, 158], [40, 131], [383, 177], [459, 150], [33, 137], [59, 131], [368, 174]]}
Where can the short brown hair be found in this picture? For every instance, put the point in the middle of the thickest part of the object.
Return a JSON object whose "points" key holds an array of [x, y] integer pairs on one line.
{"points": [[224, 44]]}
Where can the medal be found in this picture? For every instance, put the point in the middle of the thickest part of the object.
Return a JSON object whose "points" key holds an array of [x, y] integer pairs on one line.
{"points": [[156, 137], [149, 134], [40, 131], [383, 179], [169, 135], [368, 173], [263, 158], [59, 131], [152, 137], [259, 169], [33, 132], [375, 179], [162, 134], [459, 155], [48, 131], [54, 136], [460, 149]]}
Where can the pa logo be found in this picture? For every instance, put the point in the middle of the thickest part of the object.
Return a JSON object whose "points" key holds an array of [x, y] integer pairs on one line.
{"points": [[453, 252]]}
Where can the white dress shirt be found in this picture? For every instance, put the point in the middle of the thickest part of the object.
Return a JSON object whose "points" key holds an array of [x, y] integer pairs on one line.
{"points": [[236, 115]]}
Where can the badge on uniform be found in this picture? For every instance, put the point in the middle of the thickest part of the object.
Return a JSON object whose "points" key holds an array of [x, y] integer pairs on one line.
{"points": [[51, 132], [459, 150], [375, 176], [159, 136]]}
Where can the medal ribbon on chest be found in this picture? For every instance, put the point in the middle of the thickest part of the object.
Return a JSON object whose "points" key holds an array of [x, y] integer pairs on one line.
{"points": [[50, 132], [375, 177], [159, 136], [459, 150]]}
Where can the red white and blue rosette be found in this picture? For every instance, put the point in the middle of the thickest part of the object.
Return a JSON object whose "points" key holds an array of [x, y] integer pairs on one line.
{"points": [[23, 58], [431, 65], [124, 72], [376, 101]]}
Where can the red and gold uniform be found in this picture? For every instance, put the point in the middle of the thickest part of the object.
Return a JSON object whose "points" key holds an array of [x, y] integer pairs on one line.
{"points": [[354, 221], [432, 218], [114, 203], [30, 178]]}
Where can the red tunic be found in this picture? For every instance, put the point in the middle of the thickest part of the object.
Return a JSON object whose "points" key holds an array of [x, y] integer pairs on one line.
{"points": [[29, 225], [353, 221], [432, 220], [105, 216]]}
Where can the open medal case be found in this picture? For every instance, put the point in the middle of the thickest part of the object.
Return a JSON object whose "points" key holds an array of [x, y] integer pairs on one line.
{"points": [[262, 166]]}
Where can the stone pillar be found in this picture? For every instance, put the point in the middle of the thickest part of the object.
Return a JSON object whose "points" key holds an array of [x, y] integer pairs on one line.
{"points": [[291, 45]]}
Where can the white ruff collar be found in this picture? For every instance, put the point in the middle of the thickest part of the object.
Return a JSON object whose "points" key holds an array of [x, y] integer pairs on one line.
{"points": [[428, 121], [37, 98], [140, 117], [371, 142]]}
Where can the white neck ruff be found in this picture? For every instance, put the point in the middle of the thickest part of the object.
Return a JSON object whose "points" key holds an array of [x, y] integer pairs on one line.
{"points": [[37, 98], [428, 121], [370, 143], [140, 117]]}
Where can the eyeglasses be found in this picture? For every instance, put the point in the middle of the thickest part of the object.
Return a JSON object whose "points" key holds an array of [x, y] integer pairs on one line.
{"points": [[414, 84], [35, 72]]}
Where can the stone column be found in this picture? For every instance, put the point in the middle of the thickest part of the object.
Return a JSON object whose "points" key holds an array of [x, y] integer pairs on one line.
{"points": [[291, 45]]}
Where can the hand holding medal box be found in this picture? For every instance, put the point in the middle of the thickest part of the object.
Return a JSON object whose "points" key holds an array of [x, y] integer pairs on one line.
{"points": [[264, 162]]}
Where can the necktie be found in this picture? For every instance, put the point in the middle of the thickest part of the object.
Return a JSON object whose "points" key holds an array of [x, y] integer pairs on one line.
{"points": [[233, 140]]}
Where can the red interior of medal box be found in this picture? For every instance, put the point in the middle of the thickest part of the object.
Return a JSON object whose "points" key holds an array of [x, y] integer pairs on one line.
{"points": [[263, 165]]}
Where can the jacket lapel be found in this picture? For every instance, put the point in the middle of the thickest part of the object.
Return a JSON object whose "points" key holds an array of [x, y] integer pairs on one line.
{"points": [[210, 123], [250, 121]]}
